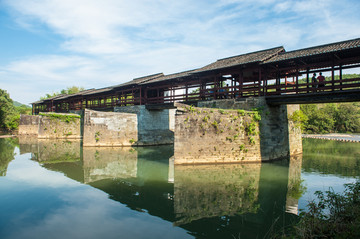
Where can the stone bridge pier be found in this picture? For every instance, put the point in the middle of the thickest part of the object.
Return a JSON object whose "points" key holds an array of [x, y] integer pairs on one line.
{"points": [[229, 131]]}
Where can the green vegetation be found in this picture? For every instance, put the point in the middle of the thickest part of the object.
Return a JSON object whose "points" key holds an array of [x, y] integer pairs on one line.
{"points": [[62, 117], [97, 136], [333, 215], [7, 153], [330, 118], [241, 112], [9, 113], [67, 91], [299, 119]]}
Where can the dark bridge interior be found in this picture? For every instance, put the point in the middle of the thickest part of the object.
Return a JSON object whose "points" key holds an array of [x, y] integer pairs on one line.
{"points": [[282, 77]]}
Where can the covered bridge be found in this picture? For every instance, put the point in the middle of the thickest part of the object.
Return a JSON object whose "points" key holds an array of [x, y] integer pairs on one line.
{"points": [[271, 72]]}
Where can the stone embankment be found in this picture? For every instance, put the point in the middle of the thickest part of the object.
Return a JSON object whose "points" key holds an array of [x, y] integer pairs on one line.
{"points": [[337, 137]]}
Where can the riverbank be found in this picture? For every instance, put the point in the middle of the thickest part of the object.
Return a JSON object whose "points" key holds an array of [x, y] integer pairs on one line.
{"points": [[337, 137]]}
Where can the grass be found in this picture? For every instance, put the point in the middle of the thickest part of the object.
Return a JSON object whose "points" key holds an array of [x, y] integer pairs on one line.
{"points": [[62, 117], [333, 215]]}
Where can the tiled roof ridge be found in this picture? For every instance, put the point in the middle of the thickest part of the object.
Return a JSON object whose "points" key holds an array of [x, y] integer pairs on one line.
{"points": [[324, 45], [251, 53], [152, 76], [320, 49]]}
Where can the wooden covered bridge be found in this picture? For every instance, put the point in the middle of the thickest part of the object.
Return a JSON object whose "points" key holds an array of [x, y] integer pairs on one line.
{"points": [[282, 77]]}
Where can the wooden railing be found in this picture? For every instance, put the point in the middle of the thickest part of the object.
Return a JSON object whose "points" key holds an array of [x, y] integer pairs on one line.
{"points": [[228, 92]]}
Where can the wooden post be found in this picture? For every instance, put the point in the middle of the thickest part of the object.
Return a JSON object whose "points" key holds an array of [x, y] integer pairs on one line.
{"points": [[140, 96], [297, 81], [259, 87], [307, 79], [265, 83], [340, 76], [241, 83], [332, 78], [145, 96], [202, 87]]}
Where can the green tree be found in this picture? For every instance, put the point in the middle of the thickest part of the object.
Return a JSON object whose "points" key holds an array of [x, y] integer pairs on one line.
{"points": [[319, 120], [67, 91], [23, 109], [9, 117], [347, 118], [328, 118]]}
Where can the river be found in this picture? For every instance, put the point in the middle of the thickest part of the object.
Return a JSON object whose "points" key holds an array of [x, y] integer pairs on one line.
{"points": [[58, 189]]}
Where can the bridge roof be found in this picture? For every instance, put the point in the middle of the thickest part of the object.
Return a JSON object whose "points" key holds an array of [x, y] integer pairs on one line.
{"points": [[49, 99], [97, 91], [317, 50], [140, 80], [169, 77], [252, 57]]}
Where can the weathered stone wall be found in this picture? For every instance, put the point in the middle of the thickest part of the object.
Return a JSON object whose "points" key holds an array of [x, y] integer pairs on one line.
{"points": [[57, 126], [29, 125], [280, 137], [51, 126], [110, 129], [155, 127], [109, 162], [295, 138], [204, 135], [206, 191]]}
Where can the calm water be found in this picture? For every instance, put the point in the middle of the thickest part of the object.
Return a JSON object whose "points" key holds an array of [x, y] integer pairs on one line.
{"points": [[56, 189]]}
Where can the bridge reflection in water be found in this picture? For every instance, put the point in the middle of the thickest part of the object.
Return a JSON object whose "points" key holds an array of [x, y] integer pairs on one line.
{"points": [[207, 200]]}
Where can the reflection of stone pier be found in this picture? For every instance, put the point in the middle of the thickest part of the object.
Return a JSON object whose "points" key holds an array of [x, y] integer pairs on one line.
{"points": [[295, 187], [51, 150], [28, 144], [214, 190], [109, 162]]}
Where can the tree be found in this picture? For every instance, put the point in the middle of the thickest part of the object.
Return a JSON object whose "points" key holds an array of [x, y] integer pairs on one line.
{"points": [[328, 118], [347, 118], [9, 118], [67, 91]]}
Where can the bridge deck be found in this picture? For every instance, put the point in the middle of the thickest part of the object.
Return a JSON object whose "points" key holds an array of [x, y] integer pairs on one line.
{"points": [[318, 97]]}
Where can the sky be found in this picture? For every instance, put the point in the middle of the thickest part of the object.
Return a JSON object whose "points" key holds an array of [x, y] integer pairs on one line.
{"points": [[49, 45]]}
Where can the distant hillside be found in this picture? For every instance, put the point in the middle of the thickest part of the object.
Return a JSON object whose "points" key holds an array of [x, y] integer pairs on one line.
{"points": [[15, 103]]}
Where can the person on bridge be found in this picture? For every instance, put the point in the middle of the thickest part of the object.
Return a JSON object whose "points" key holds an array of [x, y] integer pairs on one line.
{"points": [[321, 80], [314, 82]]}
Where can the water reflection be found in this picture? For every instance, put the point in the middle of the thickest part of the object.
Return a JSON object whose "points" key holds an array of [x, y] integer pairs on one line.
{"points": [[218, 189], [7, 154], [331, 157], [208, 201], [103, 163], [295, 185]]}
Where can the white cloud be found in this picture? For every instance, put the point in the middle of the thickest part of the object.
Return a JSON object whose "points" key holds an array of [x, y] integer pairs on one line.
{"points": [[38, 75], [111, 41]]}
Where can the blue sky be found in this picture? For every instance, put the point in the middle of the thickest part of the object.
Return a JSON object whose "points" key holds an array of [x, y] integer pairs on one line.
{"points": [[49, 45]]}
